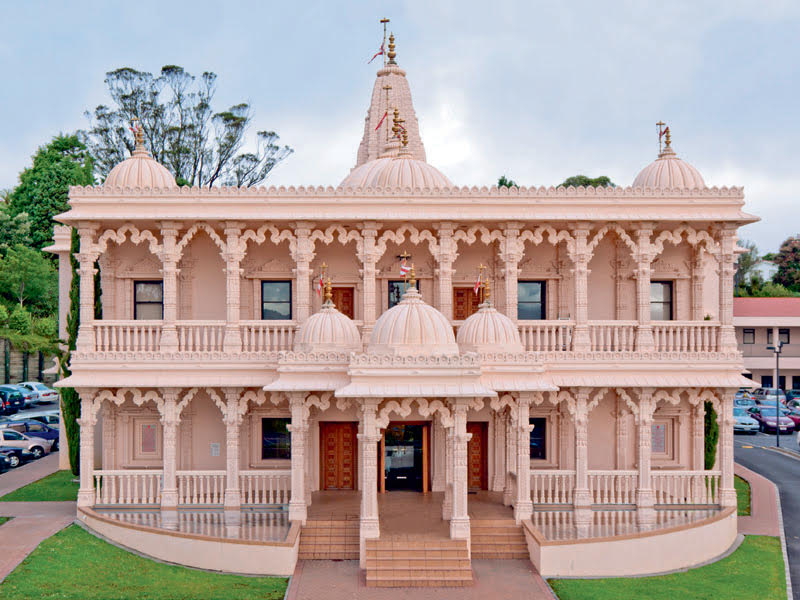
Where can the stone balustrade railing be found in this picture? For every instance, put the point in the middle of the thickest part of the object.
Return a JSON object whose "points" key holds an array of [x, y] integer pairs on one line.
{"points": [[265, 487], [686, 336], [686, 487], [200, 336], [546, 336], [552, 486], [127, 336], [201, 487], [613, 487], [612, 336], [267, 336], [140, 486]]}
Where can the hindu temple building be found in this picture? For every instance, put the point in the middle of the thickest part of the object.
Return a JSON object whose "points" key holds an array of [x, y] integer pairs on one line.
{"points": [[334, 372]]}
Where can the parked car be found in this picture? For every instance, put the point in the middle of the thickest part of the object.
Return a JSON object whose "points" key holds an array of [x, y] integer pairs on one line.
{"points": [[743, 393], [28, 397], [766, 417], [37, 446], [792, 395], [793, 414], [34, 429], [43, 393], [10, 400], [745, 403], [5, 462], [15, 456], [49, 417], [743, 422], [769, 395]]}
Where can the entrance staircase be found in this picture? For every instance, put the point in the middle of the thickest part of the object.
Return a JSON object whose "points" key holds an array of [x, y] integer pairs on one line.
{"points": [[418, 563], [498, 538], [331, 539]]}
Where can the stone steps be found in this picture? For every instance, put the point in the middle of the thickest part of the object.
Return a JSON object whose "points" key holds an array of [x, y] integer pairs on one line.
{"points": [[329, 540], [502, 539], [417, 563]]}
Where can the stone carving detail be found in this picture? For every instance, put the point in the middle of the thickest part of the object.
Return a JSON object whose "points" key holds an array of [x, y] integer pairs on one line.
{"points": [[398, 236]]}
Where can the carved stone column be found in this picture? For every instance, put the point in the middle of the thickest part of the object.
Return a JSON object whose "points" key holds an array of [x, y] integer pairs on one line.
{"points": [[523, 507], [580, 268], [511, 458], [447, 502], [623, 434], [233, 276], [370, 436], [445, 257], [511, 255], [169, 426], [303, 255], [726, 421], [87, 422], [697, 284], [169, 272], [459, 520], [234, 416], [727, 268], [644, 256], [86, 259], [645, 496], [298, 510], [369, 258], [499, 426], [582, 497], [699, 436], [439, 444]]}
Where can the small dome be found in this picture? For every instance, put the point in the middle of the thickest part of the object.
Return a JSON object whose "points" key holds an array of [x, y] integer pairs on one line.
{"points": [[328, 329], [391, 172], [669, 171], [412, 327], [489, 330], [140, 170]]}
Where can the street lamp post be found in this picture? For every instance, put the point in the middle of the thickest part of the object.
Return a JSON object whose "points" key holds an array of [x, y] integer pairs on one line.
{"points": [[777, 350]]}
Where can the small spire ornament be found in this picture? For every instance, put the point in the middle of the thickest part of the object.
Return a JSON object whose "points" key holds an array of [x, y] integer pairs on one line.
{"points": [[392, 54]]}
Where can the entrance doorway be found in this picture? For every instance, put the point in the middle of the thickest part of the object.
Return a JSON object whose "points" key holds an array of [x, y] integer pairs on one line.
{"points": [[477, 470], [465, 302], [337, 442], [344, 299], [404, 457]]}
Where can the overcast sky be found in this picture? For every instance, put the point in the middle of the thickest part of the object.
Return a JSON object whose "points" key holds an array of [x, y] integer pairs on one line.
{"points": [[535, 90]]}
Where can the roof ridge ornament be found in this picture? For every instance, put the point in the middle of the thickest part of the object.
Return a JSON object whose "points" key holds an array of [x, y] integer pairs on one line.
{"points": [[392, 54], [664, 132], [138, 136]]}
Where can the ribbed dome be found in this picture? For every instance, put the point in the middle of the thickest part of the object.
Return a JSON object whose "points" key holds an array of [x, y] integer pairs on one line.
{"points": [[669, 171], [328, 329], [140, 170], [489, 330], [391, 172], [412, 327]]}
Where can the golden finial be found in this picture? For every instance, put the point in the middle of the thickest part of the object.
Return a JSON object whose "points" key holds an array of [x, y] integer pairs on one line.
{"points": [[487, 290], [138, 133], [405, 138], [392, 53], [413, 280], [328, 291], [396, 123], [663, 131]]}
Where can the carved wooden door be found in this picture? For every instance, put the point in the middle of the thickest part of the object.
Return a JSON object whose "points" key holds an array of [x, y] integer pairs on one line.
{"points": [[465, 302], [344, 299], [338, 456], [477, 475]]}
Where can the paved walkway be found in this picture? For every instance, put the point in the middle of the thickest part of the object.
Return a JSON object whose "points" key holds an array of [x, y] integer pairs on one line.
{"points": [[343, 580], [33, 522], [763, 519]]}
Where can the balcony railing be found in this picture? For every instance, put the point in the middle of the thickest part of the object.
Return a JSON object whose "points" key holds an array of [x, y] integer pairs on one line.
{"points": [[142, 486], [127, 336], [265, 487], [546, 336], [200, 336], [612, 336], [201, 487], [267, 336], [686, 336], [552, 487]]}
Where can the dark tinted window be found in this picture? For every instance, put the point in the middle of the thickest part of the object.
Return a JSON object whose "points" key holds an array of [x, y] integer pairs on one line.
{"points": [[276, 300], [276, 441], [539, 438], [148, 300], [531, 300]]}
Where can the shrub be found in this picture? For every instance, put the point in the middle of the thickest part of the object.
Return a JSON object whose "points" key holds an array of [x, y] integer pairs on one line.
{"points": [[712, 435], [20, 321], [3, 316], [45, 327]]}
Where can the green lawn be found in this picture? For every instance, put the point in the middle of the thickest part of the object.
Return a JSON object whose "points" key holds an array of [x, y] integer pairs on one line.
{"points": [[753, 572], [75, 565], [58, 486], [742, 495]]}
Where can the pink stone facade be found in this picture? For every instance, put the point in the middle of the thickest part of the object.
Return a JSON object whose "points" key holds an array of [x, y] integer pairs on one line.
{"points": [[176, 405]]}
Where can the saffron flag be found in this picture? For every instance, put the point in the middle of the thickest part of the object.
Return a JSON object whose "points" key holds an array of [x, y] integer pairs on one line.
{"points": [[404, 268], [376, 55], [477, 286], [383, 118], [320, 285]]}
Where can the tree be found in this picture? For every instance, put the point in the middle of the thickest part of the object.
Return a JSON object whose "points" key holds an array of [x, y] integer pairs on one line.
{"points": [[711, 435], [182, 131], [70, 400], [43, 188], [506, 182], [745, 264], [788, 262], [27, 277], [14, 229], [583, 180], [20, 321]]}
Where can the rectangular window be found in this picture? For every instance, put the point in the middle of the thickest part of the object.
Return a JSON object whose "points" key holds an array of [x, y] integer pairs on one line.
{"points": [[148, 300], [749, 336], [396, 291], [276, 441], [796, 382], [766, 381], [661, 300], [539, 438], [783, 336], [276, 300], [531, 300], [148, 443], [659, 438]]}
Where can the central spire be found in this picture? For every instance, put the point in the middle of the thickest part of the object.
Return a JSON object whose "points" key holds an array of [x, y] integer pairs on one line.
{"points": [[390, 91]]}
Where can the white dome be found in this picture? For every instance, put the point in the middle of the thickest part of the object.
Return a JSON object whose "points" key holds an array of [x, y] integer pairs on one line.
{"points": [[669, 171], [489, 330], [391, 172], [142, 171], [412, 327], [328, 329]]}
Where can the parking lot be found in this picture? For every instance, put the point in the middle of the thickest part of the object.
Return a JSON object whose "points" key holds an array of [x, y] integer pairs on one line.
{"points": [[31, 410]]}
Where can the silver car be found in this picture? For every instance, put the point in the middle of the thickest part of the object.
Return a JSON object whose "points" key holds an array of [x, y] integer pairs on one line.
{"points": [[41, 391], [38, 447], [743, 422]]}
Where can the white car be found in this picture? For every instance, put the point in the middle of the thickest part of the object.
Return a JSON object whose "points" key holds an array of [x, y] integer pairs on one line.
{"points": [[41, 391], [36, 446], [49, 417]]}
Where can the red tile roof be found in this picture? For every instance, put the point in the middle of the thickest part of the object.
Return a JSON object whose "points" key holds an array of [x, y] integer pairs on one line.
{"points": [[766, 307]]}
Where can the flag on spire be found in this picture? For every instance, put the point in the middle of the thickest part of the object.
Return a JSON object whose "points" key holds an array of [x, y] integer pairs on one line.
{"points": [[383, 118], [404, 268], [477, 288], [376, 55], [320, 285]]}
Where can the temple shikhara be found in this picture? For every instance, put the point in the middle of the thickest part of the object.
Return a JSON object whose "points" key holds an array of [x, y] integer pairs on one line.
{"points": [[405, 371]]}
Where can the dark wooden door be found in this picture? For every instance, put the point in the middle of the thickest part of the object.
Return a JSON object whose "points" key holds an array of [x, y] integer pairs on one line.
{"points": [[465, 302], [477, 471], [344, 299], [338, 455]]}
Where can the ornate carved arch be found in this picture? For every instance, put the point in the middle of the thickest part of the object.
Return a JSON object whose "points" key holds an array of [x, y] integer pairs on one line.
{"points": [[193, 230], [554, 237], [623, 235], [276, 236], [136, 236], [487, 236], [693, 236], [398, 236], [403, 408]]}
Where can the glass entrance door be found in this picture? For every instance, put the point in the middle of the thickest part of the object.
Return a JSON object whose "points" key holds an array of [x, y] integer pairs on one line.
{"points": [[405, 457]]}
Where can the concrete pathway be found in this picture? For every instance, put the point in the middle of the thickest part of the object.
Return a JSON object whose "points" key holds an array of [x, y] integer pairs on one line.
{"points": [[763, 519], [33, 522], [343, 580]]}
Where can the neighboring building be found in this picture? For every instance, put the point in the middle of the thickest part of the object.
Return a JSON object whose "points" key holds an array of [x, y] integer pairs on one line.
{"points": [[243, 420], [761, 321]]}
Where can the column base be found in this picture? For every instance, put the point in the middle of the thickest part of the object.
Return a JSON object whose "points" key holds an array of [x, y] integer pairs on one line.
{"points": [[447, 507], [298, 512], [459, 528], [169, 518], [85, 341], [508, 496], [169, 499], [727, 498], [369, 529], [169, 339], [86, 497], [523, 511], [582, 517], [580, 339], [644, 339], [233, 500], [581, 498], [727, 339], [232, 342]]}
